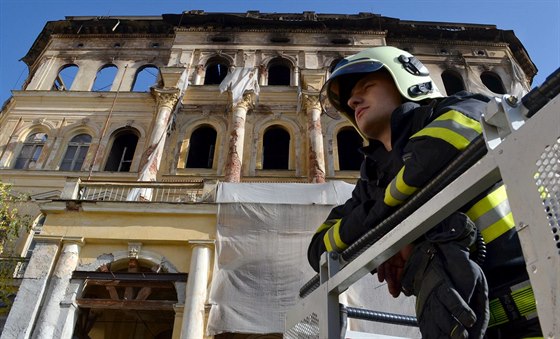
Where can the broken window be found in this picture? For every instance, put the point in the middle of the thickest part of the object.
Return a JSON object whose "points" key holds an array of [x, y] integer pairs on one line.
{"points": [[122, 152], [105, 77], [145, 78], [216, 71], [201, 148], [493, 82], [279, 72], [127, 302], [31, 150], [276, 148], [65, 78], [349, 143], [76, 153], [452, 81]]}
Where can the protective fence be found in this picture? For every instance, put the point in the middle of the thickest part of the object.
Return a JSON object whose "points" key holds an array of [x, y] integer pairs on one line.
{"points": [[261, 258]]}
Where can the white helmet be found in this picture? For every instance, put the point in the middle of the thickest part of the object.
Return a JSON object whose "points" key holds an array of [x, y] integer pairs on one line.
{"points": [[411, 77]]}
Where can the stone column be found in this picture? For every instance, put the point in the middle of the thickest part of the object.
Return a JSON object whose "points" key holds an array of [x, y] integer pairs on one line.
{"points": [[25, 308], [237, 137], [199, 71], [263, 75], [151, 158], [195, 300], [69, 310], [316, 169], [48, 321], [178, 320]]}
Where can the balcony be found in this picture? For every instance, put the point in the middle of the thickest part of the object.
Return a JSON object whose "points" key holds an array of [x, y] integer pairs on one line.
{"points": [[139, 191]]}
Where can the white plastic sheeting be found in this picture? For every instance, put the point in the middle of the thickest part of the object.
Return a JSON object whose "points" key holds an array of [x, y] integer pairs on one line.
{"points": [[261, 258], [240, 80]]}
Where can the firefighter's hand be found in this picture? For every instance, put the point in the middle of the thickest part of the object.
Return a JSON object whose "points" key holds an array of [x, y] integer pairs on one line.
{"points": [[392, 270], [451, 289]]}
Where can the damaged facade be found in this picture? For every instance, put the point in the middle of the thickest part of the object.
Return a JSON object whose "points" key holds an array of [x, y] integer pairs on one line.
{"points": [[126, 128]]}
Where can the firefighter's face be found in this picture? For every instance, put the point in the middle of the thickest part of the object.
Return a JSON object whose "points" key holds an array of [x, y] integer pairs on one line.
{"points": [[373, 99]]}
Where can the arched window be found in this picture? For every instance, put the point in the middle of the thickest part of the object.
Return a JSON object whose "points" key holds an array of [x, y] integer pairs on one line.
{"points": [[279, 72], [65, 78], [348, 142], [452, 81], [493, 82], [216, 71], [276, 148], [105, 77], [201, 148], [31, 150], [76, 153], [145, 78], [122, 151]]}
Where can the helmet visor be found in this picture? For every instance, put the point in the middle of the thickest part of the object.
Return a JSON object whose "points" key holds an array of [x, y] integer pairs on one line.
{"points": [[336, 92]]}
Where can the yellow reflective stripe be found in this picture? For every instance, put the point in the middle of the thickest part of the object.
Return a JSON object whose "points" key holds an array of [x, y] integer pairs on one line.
{"points": [[453, 138], [498, 228], [497, 313], [332, 239], [327, 242], [453, 127], [525, 301], [327, 224], [487, 203], [398, 190]]}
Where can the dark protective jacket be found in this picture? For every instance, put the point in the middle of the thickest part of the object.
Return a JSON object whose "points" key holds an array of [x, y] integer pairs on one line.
{"points": [[425, 138]]}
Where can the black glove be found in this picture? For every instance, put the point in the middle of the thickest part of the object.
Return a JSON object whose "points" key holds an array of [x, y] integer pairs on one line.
{"points": [[451, 289]]}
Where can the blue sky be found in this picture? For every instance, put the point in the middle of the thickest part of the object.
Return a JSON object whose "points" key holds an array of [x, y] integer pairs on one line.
{"points": [[535, 22]]}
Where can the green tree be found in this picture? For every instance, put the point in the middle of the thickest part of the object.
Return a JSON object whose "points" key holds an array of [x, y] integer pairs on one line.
{"points": [[12, 224]]}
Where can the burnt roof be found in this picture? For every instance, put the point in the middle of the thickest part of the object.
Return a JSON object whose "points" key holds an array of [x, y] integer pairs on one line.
{"points": [[307, 21]]}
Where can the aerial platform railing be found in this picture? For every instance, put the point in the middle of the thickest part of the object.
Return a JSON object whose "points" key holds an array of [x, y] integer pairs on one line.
{"points": [[518, 146]]}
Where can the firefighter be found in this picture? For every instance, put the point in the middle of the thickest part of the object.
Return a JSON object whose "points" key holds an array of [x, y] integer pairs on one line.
{"points": [[413, 132]]}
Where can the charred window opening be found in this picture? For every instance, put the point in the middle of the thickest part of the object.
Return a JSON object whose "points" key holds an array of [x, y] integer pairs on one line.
{"points": [[105, 77], [31, 150], [276, 148], [452, 81], [122, 152], [65, 78], [145, 78], [279, 73], [216, 71], [76, 153], [349, 143], [201, 148], [493, 82]]}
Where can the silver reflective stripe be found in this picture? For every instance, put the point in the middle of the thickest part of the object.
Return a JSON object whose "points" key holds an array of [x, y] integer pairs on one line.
{"points": [[395, 193], [467, 132], [330, 233], [493, 216]]}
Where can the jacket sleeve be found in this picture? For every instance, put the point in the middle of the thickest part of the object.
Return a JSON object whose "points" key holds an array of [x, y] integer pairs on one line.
{"points": [[318, 246], [433, 147]]}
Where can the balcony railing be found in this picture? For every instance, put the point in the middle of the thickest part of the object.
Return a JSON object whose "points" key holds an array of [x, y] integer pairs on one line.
{"points": [[137, 191]]}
